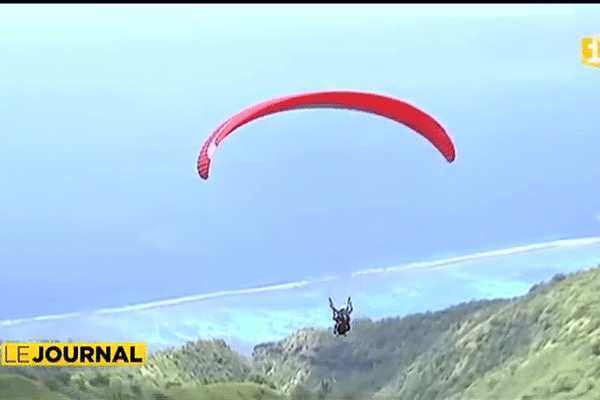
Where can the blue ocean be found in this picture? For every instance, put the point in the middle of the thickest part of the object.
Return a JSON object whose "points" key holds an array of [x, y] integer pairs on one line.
{"points": [[250, 316]]}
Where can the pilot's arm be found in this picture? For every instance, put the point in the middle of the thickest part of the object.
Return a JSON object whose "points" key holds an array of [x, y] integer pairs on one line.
{"points": [[335, 312]]}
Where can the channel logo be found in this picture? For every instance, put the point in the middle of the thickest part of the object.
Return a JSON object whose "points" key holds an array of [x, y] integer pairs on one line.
{"points": [[590, 51], [72, 354]]}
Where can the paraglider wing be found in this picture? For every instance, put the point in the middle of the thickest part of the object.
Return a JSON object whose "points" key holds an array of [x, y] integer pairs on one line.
{"points": [[207, 151], [385, 106]]}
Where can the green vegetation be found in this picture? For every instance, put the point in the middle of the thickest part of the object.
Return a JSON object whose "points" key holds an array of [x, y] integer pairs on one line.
{"points": [[543, 345]]}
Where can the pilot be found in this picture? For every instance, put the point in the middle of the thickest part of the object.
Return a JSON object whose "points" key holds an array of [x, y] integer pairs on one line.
{"points": [[341, 318]]}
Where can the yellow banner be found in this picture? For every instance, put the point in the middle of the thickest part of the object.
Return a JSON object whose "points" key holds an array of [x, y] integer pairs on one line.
{"points": [[72, 354], [590, 51]]}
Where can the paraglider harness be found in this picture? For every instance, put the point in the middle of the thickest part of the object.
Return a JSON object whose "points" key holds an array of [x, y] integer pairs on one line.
{"points": [[341, 318]]}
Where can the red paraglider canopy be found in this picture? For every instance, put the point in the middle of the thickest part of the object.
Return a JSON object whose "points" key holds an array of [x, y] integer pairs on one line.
{"points": [[385, 106]]}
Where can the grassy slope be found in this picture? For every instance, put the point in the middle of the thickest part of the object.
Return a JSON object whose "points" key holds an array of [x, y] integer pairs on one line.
{"points": [[563, 361], [17, 387], [542, 346]]}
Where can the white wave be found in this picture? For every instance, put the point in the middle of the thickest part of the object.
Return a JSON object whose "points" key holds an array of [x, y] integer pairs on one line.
{"points": [[487, 254]]}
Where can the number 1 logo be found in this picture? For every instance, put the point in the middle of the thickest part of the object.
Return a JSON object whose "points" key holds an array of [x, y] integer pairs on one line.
{"points": [[590, 51]]}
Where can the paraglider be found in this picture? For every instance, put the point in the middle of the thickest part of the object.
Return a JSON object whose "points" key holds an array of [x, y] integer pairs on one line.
{"points": [[385, 106], [341, 318]]}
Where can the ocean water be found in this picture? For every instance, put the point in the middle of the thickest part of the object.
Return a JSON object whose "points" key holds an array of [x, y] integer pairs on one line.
{"points": [[247, 317]]}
